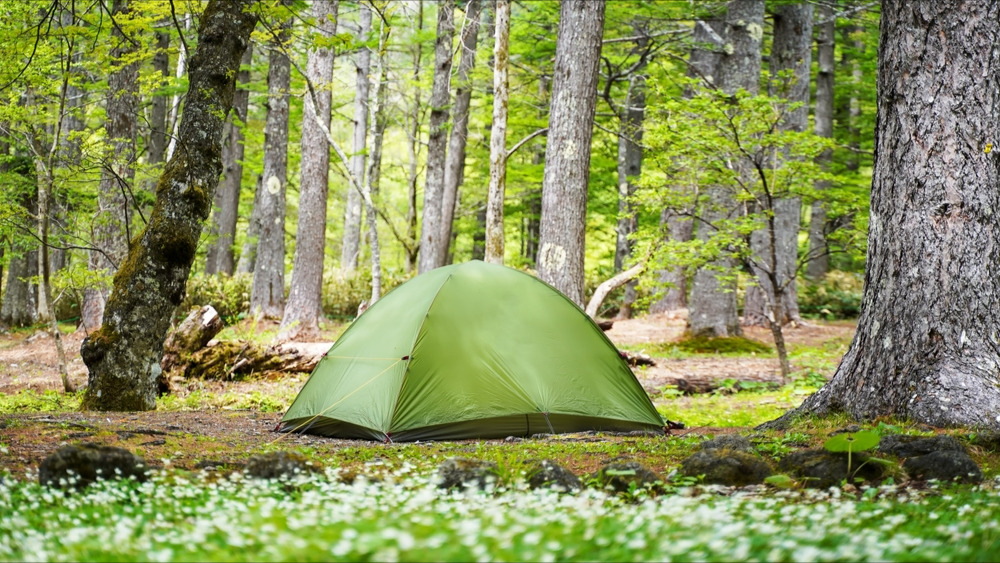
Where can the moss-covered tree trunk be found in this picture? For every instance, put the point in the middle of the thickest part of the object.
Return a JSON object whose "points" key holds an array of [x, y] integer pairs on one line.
{"points": [[124, 355], [927, 346]]}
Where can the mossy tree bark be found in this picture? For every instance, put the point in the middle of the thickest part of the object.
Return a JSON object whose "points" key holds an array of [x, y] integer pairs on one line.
{"points": [[927, 346], [124, 355]]}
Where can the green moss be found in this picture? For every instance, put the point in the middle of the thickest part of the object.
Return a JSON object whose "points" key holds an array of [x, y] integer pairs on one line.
{"points": [[735, 345]]}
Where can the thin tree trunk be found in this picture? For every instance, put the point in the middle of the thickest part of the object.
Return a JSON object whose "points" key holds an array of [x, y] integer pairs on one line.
{"points": [[267, 295], [413, 151], [498, 136], [123, 356], [175, 104], [567, 155], [375, 119], [248, 252], [351, 246], [221, 256], [112, 225], [702, 65], [926, 345], [629, 168], [791, 51], [712, 303], [819, 259], [437, 142], [454, 171], [303, 310]]}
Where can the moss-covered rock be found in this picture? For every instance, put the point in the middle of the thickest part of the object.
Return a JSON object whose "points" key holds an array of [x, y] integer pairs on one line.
{"points": [[80, 465], [725, 466], [547, 473], [457, 472], [733, 442], [625, 477], [279, 465], [822, 469], [944, 465], [912, 446]]}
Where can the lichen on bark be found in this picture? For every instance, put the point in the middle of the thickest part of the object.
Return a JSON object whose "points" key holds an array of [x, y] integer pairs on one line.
{"points": [[123, 357]]}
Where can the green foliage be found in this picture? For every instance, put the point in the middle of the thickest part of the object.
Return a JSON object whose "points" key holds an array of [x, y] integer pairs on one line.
{"points": [[343, 292], [852, 441], [30, 400], [229, 295], [837, 296], [730, 346]]}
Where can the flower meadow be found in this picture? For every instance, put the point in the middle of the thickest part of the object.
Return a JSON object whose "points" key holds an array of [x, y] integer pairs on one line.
{"points": [[406, 517]]}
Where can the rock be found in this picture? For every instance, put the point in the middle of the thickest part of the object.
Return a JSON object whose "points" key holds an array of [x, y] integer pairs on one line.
{"points": [[989, 441], [944, 465], [822, 469], [913, 446], [726, 466], [81, 465], [729, 442], [460, 472], [279, 465], [624, 477], [547, 473]]}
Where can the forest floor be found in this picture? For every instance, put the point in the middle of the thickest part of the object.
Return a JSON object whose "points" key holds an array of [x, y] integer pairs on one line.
{"points": [[193, 432]]}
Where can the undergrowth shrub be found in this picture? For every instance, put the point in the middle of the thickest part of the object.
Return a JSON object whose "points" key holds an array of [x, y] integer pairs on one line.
{"points": [[229, 295], [343, 292], [837, 296]]}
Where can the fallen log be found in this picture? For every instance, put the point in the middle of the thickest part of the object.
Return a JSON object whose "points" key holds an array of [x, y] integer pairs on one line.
{"points": [[190, 336], [236, 360]]}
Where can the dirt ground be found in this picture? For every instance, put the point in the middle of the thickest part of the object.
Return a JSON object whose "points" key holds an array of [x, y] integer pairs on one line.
{"points": [[206, 438]]}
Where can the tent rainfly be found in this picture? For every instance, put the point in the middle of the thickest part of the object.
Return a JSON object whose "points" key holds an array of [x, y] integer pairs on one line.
{"points": [[471, 350]]}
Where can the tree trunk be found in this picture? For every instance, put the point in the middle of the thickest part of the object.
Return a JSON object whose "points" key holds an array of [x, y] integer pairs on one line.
{"points": [[819, 258], [248, 252], [498, 137], [112, 225], [712, 303], [926, 345], [791, 51], [629, 168], [19, 306], [221, 256], [567, 155], [303, 310], [174, 117], [267, 296], [702, 65], [454, 170], [157, 146], [351, 247], [437, 143], [376, 121], [413, 120], [124, 355]]}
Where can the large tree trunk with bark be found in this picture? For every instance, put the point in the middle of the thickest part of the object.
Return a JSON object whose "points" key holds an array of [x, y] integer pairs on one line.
{"points": [[351, 246], [437, 142], [712, 304], [791, 51], [819, 258], [124, 355], [567, 155], [454, 168], [926, 348], [302, 311], [112, 224], [221, 257], [494, 243], [267, 296]]}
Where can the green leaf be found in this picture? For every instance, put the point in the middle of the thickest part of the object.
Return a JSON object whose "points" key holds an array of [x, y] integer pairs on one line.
{"points": [[852, 442], [781, 481]]}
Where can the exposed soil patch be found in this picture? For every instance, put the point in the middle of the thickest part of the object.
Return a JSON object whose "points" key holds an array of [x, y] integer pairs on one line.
{"points": [[223, 438]]}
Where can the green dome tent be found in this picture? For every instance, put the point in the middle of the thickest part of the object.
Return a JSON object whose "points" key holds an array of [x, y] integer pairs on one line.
{"points": [[472, 350]]}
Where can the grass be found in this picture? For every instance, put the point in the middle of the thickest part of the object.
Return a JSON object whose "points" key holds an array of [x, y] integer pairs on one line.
{"points": [[408, 518]]}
